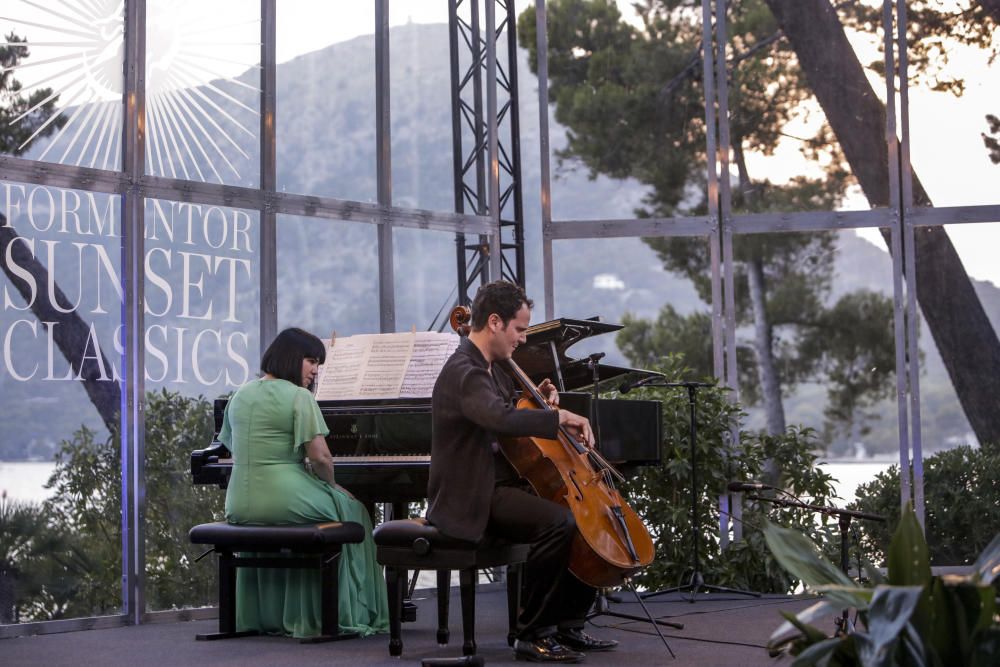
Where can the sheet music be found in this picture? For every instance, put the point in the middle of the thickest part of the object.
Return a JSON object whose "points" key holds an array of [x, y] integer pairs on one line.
{"points": [[430, 351], [388, 357], [340, 377], [401, 365]]}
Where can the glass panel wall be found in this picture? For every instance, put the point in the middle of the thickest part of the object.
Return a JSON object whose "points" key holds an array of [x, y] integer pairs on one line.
{"points": [[60, 375], [959, 324], [816, 345], [326, 99], [954, 116], [627, 115], [423, 264], [203, 91], [62, 82], [202, 318], [328, 276], [624, 281], [420, 101], [806, 135]]}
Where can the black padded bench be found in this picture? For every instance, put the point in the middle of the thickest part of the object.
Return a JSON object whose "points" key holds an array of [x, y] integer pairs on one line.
{"points": [[312, 546], [414, 544]]}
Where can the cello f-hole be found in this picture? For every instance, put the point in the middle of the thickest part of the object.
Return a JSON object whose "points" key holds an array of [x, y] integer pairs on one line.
{"points": [[579, 491]]}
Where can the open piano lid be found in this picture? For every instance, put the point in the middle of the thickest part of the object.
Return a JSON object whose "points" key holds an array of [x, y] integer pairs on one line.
{"points": [[544, 353]]}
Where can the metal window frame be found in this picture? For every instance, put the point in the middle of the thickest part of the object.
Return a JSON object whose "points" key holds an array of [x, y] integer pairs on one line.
{"points": [[135, 186], [902, 218], [718, 228]]}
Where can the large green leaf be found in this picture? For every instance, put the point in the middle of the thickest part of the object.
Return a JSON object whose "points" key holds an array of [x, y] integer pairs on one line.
{"points": [[913, 647], [819, 653], [987, 566], [806, 617], [808, 632], [987, 606], [847, 596], [956, 613], [908, 561], [799, 556], [888, 614]]}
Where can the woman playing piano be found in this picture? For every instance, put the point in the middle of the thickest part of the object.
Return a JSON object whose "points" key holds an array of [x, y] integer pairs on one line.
{"points": [[283, 474]]}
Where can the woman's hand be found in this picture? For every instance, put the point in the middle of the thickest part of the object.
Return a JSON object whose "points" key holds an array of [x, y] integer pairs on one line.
{"points": [[319, 455], [549, 393]]}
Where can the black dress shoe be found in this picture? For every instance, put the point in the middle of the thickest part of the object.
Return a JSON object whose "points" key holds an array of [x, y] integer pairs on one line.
{"points": [[546, 649], [579, 640]]}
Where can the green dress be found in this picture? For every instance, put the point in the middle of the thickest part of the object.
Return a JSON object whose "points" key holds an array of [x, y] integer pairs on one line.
{"points": [[266, 427]]}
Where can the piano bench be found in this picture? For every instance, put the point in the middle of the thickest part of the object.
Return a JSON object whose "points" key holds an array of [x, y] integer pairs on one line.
{"points": [[316, 545], [415, 544]]}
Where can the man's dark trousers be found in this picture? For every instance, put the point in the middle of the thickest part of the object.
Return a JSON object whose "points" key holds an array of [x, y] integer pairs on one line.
{"points": [[554, 599]]}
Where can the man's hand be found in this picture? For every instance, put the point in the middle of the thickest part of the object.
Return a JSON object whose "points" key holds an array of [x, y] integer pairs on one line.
{"points": [[549, 393], [578, 427]]}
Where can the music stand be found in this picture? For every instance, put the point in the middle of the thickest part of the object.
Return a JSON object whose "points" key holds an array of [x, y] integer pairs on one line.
{"points": [[697, 581]]}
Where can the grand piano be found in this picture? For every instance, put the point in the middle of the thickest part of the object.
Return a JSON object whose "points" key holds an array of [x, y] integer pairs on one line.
{"points": [[381, 448]]}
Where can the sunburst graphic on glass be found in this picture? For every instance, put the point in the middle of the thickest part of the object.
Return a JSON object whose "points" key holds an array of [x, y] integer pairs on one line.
{"points": [[202, 85], [62, 81], [203, 90]]}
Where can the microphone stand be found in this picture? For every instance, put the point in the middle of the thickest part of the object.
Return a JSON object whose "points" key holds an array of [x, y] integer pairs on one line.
{"points": [[844, 517], [697, 582], [601, 607]]}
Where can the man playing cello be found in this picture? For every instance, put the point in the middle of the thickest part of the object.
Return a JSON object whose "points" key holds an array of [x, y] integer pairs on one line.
{"points": [[474, 492]]}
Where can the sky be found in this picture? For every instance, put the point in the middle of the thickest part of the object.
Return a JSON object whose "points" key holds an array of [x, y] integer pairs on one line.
{"points": [[221, 38]]}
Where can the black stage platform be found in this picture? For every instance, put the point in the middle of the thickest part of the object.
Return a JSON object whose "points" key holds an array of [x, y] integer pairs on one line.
{"points": [[733, 630]]}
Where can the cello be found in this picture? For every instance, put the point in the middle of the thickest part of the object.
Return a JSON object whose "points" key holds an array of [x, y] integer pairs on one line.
{"points": [[611, 542]]}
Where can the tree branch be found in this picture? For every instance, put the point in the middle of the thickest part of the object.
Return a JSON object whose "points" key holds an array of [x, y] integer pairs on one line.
{"points": [[70, 331], [993, 7]]}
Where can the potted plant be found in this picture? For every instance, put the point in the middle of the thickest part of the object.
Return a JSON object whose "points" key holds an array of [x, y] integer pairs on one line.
{"points": [[910, 617]]}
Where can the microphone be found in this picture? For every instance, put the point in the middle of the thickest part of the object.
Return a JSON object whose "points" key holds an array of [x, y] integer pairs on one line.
{"points": [[626, 387], [748, 486]]}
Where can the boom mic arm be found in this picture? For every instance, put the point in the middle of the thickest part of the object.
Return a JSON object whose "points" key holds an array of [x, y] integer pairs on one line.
{"points": [[748, 486]]}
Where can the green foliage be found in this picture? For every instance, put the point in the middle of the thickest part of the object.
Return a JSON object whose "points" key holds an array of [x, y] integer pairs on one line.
{"points": [[180, 426], [63, 558], [961, 501], [35, 556], [662, 494], [914, 619]]}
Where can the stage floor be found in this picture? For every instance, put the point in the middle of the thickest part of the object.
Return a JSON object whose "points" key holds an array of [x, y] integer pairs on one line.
{"points": [[719, 630]]}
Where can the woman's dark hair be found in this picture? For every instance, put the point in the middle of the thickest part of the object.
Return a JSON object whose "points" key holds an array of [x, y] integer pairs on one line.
{"points": [[500, 297], [283, 357]]}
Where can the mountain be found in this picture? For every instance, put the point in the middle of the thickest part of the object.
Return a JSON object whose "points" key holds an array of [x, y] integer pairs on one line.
{"points": [[328, 272]]}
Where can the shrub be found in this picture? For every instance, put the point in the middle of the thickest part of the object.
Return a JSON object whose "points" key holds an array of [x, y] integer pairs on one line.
{"points": [[961, 501], [661, 494]]}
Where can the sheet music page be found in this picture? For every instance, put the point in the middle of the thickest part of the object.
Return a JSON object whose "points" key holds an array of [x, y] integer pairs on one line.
{"points": [[430, 351], [388, 357], [340, 377]]}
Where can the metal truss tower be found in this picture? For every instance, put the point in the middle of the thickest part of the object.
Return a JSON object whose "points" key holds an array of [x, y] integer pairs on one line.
{"points": [[469, 141]]}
